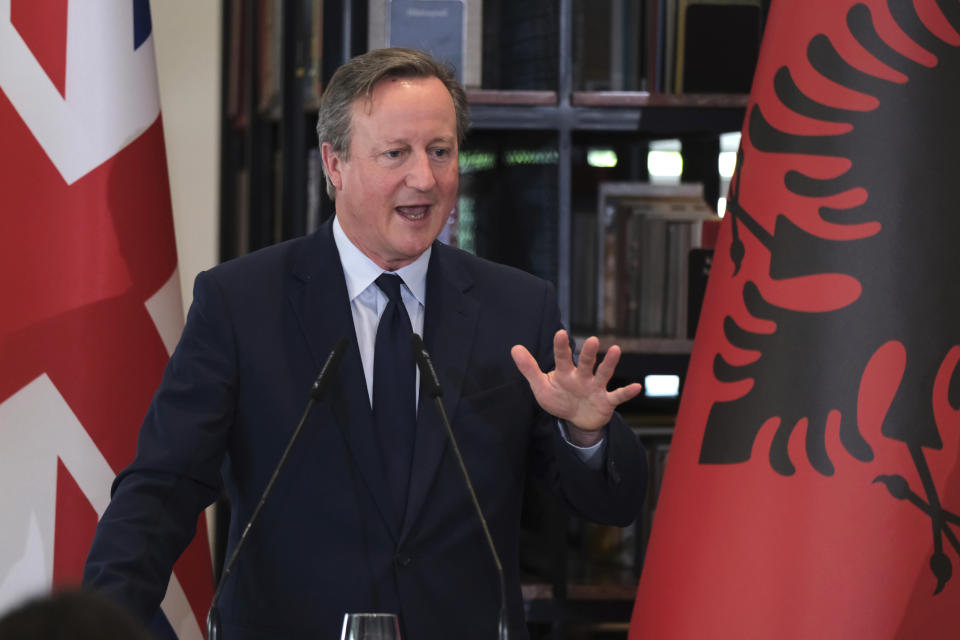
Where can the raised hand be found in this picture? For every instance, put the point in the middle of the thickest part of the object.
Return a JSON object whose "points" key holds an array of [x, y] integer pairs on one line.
{"points": [[576, 393]]}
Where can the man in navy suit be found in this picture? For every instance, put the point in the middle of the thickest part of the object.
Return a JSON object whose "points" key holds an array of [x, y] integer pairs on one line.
{"points": [[361, 518]]}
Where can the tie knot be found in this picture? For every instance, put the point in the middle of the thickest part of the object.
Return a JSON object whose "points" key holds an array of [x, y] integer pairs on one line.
{"points": [[390, 283]]}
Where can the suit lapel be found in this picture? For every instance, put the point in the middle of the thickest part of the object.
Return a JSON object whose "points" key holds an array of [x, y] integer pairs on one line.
{"points": [[321, 304], [449, 326]]}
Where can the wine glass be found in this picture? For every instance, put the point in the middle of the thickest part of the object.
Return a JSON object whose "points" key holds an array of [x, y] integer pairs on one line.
{"points": [[370, 626]]}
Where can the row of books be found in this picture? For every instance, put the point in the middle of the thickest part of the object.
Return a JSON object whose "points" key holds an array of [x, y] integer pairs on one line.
{"points": [[670, 46], [667, 46], [245, 238], [641, 243], [445, 27], [264, 28]]}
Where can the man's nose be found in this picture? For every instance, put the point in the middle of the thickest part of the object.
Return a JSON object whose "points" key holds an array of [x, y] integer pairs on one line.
{"points": [[420, 172]]}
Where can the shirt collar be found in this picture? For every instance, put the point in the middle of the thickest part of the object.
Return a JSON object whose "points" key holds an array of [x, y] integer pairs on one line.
{"points": [[360, 271]]}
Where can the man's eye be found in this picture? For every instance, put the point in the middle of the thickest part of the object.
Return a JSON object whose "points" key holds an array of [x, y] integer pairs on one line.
{"points": [[441, 153], [393, 154]]}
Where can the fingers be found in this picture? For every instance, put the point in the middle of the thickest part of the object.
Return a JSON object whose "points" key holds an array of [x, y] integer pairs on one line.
{"points": [[588, 361], [621, 395], [606, 369], [562, 355], [526, 363], [608, 365], [588, 357]]}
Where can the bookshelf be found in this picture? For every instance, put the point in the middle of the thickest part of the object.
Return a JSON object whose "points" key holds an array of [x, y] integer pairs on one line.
{"points": [[550, 92]]}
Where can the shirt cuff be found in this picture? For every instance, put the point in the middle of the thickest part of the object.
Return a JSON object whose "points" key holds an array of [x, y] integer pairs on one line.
{"points": [[591, 456]]}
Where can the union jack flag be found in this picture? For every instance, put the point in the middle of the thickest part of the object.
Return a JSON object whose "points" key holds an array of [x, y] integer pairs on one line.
{"points": [[89, 284]]}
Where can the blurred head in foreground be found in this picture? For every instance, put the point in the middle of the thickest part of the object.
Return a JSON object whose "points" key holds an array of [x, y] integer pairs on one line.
{"points": [[70, 614]]}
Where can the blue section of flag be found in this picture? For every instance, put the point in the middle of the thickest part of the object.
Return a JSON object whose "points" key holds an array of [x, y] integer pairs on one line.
{"points": [[142, 26], [160, 627]]}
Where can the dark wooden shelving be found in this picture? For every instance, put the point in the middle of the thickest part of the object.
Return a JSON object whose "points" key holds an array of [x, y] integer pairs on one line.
{"points": [[647, 99], [511, 97]]}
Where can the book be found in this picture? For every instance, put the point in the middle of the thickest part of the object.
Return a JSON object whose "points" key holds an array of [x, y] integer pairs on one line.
{"points": [[669, 44], [450, 30], [583, 277], [608, 54], [653, 32], [704, 27], [242, 223], [237, 67], [270, 58], [315, 183], [648, 288], [646, 233], [313, 67]]}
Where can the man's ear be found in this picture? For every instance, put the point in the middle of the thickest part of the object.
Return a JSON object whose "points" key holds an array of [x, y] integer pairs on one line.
{"points": [[331, 164]]}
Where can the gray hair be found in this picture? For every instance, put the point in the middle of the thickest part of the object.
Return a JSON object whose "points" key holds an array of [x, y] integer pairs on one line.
{"points": [[355, 80]]}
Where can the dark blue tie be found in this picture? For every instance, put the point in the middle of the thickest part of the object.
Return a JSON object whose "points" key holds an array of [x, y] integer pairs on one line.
{"points": [[394, 389]]}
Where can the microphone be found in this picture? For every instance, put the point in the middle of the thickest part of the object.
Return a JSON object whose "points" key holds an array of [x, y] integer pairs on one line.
{"points": [[327, 371], [429, 378]]}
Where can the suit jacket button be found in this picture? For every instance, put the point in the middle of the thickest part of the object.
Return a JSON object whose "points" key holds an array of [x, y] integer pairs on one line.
{"points": [[613, 474], [403, 560]]}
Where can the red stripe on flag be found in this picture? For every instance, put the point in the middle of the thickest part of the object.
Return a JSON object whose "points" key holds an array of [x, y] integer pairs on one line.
{"points": [[59, 250], [77, 516], [89, 335], [43, 26]]}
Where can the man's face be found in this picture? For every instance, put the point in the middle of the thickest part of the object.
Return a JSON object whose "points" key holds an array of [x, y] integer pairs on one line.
{"points": [[399, 186]]}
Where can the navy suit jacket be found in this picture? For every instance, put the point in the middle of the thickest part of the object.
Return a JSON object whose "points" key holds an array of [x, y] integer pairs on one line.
{"points": [[256, 335]]}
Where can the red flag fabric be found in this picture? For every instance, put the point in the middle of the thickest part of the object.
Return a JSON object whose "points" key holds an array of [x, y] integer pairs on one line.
{"points": [[89, 284], [813, 485]]}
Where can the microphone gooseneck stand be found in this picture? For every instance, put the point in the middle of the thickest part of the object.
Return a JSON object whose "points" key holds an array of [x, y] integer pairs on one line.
{"points": [[316, 393], [428, 376]]}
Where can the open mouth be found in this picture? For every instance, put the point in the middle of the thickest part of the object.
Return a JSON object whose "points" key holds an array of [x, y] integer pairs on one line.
{"points": [[414, 213]]}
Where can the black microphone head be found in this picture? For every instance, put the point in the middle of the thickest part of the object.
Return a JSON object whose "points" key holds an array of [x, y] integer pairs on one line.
{"points": [[328, 369], [428, 375]]}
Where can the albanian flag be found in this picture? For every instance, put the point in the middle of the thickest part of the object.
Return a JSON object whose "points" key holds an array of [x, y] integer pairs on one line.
{"points": [[813, 487], [88, 282]]}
